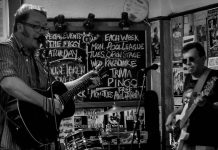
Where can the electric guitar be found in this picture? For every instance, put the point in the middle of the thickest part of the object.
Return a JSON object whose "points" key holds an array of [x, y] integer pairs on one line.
{"points": [[32, 123], [184, 123], [174, 135]]}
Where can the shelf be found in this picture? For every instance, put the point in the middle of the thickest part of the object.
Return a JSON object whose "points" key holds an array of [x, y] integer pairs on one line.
{"points": [[107, 104]]}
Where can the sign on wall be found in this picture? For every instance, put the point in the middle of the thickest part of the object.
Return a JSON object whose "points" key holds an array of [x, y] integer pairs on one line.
{"points": [[72, 54]]}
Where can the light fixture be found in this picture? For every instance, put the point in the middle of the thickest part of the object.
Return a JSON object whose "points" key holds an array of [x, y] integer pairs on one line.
{"points": [[89, 22], [124, 22], [59, 23]]}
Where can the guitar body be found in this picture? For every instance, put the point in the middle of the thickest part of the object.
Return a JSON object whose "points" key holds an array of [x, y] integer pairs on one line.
{"points": [[175, 134], [182, 138], [39, 128], [176, 130], [32, 123]]}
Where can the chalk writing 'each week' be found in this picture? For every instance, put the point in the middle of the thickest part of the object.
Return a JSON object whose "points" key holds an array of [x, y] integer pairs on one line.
{"points": [[121, 37]]}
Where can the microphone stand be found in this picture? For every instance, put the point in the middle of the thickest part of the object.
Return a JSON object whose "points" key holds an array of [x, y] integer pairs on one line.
{"points": [[137, 122], [57, 145]]}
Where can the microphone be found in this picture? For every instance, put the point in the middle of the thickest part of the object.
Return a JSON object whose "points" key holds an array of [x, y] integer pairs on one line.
{"points": [[42, 40], [152, 67]]}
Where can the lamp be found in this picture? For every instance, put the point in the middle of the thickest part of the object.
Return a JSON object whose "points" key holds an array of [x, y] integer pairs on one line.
{"points": [[59, 23], [124, 22], [89, 22]]}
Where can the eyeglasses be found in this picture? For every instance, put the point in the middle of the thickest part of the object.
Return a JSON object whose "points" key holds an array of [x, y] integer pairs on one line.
{"points": [[37, 28], [190, 59]]}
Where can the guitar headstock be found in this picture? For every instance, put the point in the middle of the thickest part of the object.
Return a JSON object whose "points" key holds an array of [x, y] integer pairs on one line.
{"points": [[101, 70], [99, 67]]}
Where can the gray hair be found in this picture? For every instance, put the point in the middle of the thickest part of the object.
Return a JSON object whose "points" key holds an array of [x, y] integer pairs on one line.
{"points": [[22, 13]]}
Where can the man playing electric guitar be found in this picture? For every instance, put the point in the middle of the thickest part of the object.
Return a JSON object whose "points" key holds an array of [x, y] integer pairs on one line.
{"points": [[184, 120], [173, 120], [200, 120]]}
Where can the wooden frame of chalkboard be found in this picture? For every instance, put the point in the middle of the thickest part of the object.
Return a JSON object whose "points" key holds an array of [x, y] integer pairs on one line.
{"points": [[122, 52]]}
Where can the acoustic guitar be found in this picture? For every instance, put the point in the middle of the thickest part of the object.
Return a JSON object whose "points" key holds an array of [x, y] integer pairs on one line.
{"points": [[32, 123]]}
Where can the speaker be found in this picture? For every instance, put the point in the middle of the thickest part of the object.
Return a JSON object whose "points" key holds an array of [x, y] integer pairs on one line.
{"points": [[152, 119]]}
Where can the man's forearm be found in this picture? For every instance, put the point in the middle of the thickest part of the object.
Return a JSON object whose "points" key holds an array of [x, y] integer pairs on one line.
{"points": [[15, 87]]}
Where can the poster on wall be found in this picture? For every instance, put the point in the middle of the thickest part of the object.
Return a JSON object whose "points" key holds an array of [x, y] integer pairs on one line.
{"points": [[200, 28], [188, 25], [4, 21], [1, 18], [155, 41], [213, 63], [212, 33], [178, 79], [177, 34]]}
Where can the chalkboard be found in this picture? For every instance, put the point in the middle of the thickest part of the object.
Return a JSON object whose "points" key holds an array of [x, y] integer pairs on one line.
{"points": [[122, 53]]}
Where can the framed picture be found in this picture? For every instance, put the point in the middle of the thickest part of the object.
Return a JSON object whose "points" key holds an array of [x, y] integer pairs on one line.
{"points": [[4, 20]]}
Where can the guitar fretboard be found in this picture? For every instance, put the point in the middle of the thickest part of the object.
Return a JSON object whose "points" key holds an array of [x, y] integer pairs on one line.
{"points": [[75, 90]]}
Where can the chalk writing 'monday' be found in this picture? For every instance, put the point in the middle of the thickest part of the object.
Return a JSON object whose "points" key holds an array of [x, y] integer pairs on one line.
{"points": [[118, 46]]}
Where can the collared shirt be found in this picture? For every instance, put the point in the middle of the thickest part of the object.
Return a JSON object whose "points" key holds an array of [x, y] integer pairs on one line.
{"points": [[14, 62]]}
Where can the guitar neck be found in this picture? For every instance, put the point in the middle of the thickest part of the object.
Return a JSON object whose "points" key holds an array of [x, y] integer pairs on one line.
{"points": [[81, 86], [187, 115], [74, 90]]}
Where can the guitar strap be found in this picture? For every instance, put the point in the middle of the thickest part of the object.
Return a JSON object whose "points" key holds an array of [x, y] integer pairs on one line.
{"points": [[199, 85], [2, 125], [37, 73]]}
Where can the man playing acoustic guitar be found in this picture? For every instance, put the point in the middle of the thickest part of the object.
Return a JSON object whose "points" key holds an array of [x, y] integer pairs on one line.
{"points": [[28, 116], [199, 124]]}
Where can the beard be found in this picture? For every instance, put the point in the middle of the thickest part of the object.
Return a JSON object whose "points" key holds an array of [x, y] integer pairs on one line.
{"points": [[25, 33], [30, 42]]}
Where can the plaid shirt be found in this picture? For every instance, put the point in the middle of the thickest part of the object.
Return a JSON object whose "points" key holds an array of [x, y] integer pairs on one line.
{"points": [[14, 62]]}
